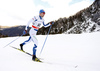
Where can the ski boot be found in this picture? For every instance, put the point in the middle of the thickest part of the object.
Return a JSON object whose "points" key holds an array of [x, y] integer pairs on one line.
{"points": [[21, 47], [34, 58]]}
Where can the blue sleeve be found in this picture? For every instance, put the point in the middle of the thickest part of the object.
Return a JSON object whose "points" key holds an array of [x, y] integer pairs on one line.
{"points": [[46, 25]]}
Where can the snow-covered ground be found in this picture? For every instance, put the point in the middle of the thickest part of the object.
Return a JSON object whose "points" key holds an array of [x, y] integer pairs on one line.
{"points": [[74, 52]]}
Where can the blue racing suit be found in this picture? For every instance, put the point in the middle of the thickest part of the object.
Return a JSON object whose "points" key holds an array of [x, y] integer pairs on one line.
{"points": [[36, 23]]}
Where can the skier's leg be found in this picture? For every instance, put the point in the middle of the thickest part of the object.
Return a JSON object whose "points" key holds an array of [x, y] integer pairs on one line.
{"points": [[34, 39], [27, 41], [34, 49], [34, 58]]}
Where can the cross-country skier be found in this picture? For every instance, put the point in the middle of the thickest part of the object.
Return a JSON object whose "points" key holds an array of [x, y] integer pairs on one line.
{"points": [[36, 23]]}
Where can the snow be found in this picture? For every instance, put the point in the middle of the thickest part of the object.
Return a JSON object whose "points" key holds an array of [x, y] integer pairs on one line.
{"points": [[63, 52]]}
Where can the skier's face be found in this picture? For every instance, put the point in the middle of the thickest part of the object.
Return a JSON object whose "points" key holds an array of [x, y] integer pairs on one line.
{"points": [[42, 14]]}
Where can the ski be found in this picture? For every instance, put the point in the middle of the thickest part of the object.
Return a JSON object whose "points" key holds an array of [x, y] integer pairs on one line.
{"points": [[42, 59], [24, 52], [21, 50]]}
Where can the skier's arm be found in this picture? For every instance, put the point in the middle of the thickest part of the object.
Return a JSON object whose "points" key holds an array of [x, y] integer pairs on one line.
{"points": [[30, 21], [46, 25], [50, 23], [27, 26]]}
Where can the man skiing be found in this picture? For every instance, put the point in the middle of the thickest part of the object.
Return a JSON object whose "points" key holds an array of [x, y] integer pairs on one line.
{"points": [[36, 23]]}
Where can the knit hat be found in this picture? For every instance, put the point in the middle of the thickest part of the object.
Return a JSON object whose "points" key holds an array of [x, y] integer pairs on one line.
{"points": [[41, 11]]}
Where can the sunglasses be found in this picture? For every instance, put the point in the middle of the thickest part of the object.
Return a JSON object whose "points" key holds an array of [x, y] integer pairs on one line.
{"points": [[43, 12]]}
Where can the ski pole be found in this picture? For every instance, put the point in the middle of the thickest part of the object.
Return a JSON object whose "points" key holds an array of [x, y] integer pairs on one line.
{"points": [[12, 41], [45, 40]]}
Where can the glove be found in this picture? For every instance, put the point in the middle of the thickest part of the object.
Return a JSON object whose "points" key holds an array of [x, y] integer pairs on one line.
{"points": [[24, 32], [52, 22]]}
